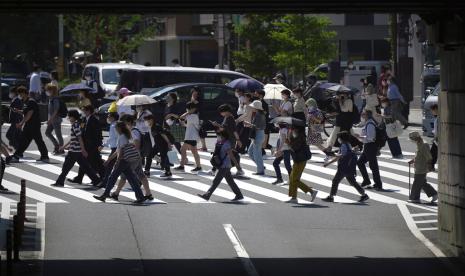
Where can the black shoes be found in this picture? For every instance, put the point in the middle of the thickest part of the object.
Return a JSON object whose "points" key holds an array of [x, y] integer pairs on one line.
{"points": [[3, 189], [363, 198], [58, 185], [205, 196], [238, 197], [149, 197], [139, 201], [328, 199], [197, 169], [166, 175], [365, 184], [114, 196], [44, 159], [147, 173], [11, 159], [278, 181], [102, 198], [74, 180]]}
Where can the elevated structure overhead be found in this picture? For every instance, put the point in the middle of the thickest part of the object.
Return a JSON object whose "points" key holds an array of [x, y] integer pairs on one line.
{"points": [[446, 21]]}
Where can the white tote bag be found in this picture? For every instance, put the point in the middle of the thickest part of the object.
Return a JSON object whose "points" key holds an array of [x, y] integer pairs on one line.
{"points": [[173, 157], [394, 130]]}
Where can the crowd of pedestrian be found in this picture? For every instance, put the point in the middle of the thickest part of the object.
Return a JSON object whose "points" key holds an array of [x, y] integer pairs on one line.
{"points": [[137, 137]]}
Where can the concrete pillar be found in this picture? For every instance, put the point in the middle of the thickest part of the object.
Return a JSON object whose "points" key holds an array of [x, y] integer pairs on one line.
{"points": [[448, 34]]}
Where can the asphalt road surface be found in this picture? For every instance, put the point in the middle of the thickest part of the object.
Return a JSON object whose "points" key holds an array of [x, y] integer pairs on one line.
{"points": [[181, 234]]}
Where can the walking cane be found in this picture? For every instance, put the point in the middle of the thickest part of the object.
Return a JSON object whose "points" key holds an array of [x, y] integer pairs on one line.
{"points": [[409, 165]]}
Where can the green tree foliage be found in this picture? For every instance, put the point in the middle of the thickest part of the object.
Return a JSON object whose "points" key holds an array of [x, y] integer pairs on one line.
{"points": [[304, 42], [117, 36], [255, 55]]}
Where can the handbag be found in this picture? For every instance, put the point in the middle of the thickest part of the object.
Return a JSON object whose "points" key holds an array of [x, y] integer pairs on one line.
{"points": [[394, 129], [178, 131], [173, 157], [252, 133]]}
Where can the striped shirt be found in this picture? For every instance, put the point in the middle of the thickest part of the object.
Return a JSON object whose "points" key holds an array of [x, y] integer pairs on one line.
{"points": [[75, 145]]}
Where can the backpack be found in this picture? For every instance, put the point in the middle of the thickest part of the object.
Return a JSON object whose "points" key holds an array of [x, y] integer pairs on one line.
{"points": [[62, 110], [381, 135], [355, 115], [216, 159], [348, 164]]}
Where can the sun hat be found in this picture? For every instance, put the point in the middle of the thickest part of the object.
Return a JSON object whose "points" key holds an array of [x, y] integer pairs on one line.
{"points": [[414, 136], [311, 102], [257, 105], [124, 91]]}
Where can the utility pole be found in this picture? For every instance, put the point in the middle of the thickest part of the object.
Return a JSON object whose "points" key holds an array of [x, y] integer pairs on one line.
{"points": [[220, 30], [61, 52]]}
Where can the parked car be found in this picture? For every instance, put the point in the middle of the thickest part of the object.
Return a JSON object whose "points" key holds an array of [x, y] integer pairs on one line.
{"points": [[106, 75], [429, 79], [12, 73], [428, 119], [145, 79], [212, 95]]}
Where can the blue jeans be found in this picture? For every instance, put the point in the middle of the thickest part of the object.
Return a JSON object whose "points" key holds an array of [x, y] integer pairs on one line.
{"points": [[123, 167], [287, 163], [255, 150]]}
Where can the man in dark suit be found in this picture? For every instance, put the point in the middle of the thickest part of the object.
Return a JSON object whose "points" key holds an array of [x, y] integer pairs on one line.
{"points": [[92, 136]]}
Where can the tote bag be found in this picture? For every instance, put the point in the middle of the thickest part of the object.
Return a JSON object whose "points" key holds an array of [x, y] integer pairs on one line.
{"points": [[394, 129]]}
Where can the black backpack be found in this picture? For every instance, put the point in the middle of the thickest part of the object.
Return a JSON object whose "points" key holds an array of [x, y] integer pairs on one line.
{"points": [[62, 110], [381, 135], [216, 159]]}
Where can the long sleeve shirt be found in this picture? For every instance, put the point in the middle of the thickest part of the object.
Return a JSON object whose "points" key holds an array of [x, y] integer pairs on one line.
{"points": [[422, 159]]}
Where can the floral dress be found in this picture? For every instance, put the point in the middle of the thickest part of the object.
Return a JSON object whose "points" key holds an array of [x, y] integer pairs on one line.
{"points": [[314, 129]]}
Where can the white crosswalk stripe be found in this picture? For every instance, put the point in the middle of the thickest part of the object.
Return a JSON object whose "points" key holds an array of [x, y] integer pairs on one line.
{"points": [[184, 186]]}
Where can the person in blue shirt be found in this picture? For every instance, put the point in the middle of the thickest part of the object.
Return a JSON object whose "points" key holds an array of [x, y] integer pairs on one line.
{"points": [[346, 167], [223, 148], [397, 102]]}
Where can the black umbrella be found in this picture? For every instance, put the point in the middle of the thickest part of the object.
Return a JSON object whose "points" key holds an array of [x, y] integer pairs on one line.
{"points": [[288, 120], [77, 87]]}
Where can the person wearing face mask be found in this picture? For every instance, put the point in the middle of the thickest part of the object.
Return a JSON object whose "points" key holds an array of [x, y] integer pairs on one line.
{"points": [[191, 121], [315, 126], [346, 167], [283, 152], [54, 119], [370, 149], [85, 99], [195, 99], [285, 109], [300, 111], [397, 101], [245, 117], [257, 136], [13, 134], [240, 98], [124, 109], [171, 121], [422, 165], [93, 142], [300, 152], [344, 118], [223, 150], [111, 142], [30, 124], [146, 149], [350, 65], [161, 144], [393, 142]]}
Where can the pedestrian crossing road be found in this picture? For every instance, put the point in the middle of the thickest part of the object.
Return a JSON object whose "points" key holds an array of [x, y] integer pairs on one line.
{"points": [[184, 186]]}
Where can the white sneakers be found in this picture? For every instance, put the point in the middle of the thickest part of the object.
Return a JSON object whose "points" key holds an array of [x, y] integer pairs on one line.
{"points": [[292, 200]]}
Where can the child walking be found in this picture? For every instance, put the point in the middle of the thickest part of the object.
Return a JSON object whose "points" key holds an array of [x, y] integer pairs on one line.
{"points": [[346, 167]]}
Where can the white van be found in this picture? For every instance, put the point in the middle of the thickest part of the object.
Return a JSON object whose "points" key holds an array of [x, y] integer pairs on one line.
{"points": [[146, 79], [105, 75]]}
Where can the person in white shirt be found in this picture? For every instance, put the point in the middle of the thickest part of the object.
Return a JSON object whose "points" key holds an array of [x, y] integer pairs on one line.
{"points": [[240, 98], [146, 149], [35, 84], [191, 120]]}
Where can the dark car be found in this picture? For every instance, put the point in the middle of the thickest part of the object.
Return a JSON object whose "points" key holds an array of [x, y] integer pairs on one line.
{"points": [[13, 73], [211, 96]]}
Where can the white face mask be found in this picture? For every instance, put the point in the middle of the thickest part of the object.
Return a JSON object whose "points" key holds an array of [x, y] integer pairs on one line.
{"points": [[88, 78], [363, 120], [237, 94], [294, 134], [384, 105], [147, 124], [311, 108], [48, 94], [339, 140], [11, 95], [170, 122], [139, 109], [109, 121]]}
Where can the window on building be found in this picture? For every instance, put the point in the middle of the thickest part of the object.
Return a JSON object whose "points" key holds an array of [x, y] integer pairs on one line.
{"points": [[359, 19], [382, 50], [359, 49]]}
